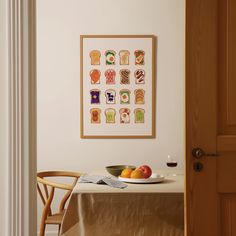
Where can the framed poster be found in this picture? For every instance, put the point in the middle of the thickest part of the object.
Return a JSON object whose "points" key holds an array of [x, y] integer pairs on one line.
{"points": [[117, 86]]}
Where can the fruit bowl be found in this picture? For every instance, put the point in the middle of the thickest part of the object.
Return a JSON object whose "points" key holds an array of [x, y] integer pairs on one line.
{"points": [[117, 169]]}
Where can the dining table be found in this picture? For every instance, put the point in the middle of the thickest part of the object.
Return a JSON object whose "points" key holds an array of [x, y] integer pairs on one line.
{"points": [[147, 209]]}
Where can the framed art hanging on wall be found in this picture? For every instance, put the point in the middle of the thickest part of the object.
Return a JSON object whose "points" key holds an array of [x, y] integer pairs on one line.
{"points": [[118, 90]]}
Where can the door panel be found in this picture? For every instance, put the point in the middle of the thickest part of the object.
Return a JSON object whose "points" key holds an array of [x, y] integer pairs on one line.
{"points": [[231, 50], [228, 215], [226, 140], [227, 67], [226, 173]]}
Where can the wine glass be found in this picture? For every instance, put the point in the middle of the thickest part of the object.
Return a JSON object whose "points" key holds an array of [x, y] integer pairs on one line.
{"points": [[171, 162]]}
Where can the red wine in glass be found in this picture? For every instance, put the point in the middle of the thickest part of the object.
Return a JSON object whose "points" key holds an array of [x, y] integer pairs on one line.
{"points": [[171, 162]]}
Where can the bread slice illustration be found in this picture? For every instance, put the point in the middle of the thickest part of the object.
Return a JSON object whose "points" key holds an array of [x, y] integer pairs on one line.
{"points": [[95, 96], [124, 115], [95, 76], [95, 57], [110, 114], [139, 57], [139, 96], [124, 57], [139, 76], [124, 96], [110, 56], [139, 115], [110, 76], [125, 76], [95, 114], [110, 96]]}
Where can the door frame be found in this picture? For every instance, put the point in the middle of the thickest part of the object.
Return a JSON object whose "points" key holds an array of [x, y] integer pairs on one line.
{"points": [[20, 57], [22, 151]]}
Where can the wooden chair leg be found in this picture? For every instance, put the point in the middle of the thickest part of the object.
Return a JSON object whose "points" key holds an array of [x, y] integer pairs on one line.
{"points": [[42, 229]]}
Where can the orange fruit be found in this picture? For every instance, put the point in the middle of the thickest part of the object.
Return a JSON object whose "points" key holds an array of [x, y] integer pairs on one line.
{"points": [[137, 174], [126, 173], [95, 75]]}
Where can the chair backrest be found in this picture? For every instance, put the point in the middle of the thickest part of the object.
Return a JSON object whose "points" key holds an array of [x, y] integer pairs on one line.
{"points": [[47, 188]]}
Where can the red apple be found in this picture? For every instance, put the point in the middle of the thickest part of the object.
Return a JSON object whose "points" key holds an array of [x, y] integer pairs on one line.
{"points": [[146, 170]]}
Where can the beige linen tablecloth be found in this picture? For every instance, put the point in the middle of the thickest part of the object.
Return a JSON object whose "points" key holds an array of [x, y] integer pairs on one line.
{"points": [[138, 210]]}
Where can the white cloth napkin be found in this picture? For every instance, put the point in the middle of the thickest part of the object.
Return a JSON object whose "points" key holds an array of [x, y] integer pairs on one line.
{"points": [[98, 179]]}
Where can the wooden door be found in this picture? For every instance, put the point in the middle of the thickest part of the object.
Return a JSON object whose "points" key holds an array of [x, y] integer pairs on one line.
{"points": [[211, 117]]}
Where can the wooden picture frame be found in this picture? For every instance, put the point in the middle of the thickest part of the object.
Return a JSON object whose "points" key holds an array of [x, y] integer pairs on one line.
{"points": [[118, 86]]}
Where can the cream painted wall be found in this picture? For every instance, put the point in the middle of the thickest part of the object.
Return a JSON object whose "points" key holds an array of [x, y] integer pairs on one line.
{"points": [[60, 24], [3, 119]]}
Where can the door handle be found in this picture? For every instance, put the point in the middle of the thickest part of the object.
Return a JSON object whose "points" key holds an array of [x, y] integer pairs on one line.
{"points": [[199, 153]]}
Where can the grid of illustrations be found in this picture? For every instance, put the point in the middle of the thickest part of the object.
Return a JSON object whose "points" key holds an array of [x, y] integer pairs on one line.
{"points": [[126, 97]]}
